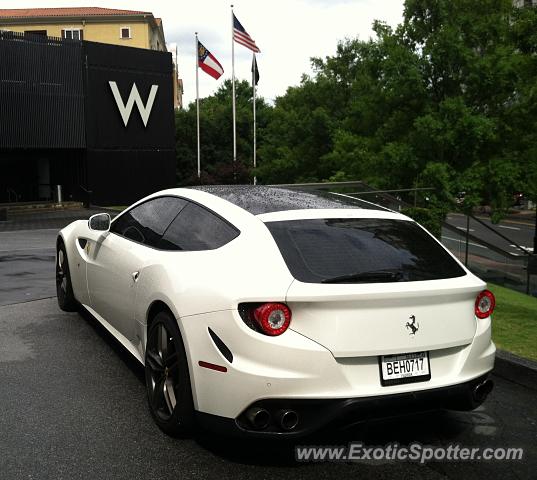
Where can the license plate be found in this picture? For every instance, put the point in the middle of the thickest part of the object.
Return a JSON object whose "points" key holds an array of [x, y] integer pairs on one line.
{"points": [[404, 368]]}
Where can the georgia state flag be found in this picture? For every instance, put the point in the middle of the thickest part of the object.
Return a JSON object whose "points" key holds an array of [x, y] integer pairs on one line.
{"points": [[208, 63]]}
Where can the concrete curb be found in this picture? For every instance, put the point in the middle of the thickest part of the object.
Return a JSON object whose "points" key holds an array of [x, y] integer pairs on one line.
{"points": [[516, 369]]}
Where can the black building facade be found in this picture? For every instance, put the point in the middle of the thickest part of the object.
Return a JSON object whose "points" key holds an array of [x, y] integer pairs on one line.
{"points": [[96, 119]]}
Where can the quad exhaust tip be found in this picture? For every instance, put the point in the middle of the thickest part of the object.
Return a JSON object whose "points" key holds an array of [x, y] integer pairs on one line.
{"points": [[287, 419], [482, 391], [259, 418]]}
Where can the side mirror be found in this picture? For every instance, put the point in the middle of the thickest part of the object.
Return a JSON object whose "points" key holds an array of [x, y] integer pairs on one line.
{"points": [[100, 222]]}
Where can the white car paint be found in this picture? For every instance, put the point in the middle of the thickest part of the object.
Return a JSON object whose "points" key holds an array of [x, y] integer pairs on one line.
{"points": [[313, 359]]}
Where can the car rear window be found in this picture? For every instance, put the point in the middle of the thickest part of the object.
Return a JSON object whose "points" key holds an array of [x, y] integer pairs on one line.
{"points": [[359, 250]]}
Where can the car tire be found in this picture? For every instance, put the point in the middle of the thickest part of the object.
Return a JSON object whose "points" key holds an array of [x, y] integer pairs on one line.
{"points": [[64, 288], [167, 378]]}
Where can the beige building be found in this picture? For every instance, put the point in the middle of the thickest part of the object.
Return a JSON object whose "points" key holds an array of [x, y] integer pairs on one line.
{"points": [[129, 28]]}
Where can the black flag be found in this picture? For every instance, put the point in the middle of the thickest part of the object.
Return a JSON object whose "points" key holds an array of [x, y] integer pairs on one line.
{"points": [[255, 71]]}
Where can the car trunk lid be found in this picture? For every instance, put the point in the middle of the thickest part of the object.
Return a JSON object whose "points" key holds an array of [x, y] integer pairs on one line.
{"points": [[386, 318]]}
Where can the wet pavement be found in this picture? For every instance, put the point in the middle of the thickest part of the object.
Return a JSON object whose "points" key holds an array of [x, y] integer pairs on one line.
{"points": [[27, 252], [45, 220], [27, 265], [74, 407]]}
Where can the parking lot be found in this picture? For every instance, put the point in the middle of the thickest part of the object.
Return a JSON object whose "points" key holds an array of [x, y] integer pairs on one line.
{"points": [[74, 406]]}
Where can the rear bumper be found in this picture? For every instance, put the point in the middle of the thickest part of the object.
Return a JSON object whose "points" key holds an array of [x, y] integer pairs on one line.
{"points": [[316, 414], [293, 366]]}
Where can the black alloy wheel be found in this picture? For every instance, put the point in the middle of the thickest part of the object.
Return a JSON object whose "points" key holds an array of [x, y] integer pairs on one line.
{"points": [[64, 288], [167, 377]]}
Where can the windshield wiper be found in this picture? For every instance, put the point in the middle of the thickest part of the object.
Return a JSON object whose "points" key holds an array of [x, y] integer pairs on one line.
{"points": [[363, 277]]}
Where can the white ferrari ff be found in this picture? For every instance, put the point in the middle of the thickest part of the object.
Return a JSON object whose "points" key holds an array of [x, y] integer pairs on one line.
{"points": [[267, 311]]}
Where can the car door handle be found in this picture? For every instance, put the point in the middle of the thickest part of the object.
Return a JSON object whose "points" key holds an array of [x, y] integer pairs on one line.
{"points": [[135, 276]]}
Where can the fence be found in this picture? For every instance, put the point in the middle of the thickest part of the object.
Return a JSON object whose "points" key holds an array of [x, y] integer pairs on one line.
{"points": [[489, 262]]}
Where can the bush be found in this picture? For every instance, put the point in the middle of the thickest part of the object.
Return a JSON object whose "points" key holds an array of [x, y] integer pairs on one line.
{"points": [[430, 218]]}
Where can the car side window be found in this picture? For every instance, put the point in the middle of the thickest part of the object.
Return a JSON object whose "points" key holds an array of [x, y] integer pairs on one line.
{"points": [[196, 228], [147, 222]]}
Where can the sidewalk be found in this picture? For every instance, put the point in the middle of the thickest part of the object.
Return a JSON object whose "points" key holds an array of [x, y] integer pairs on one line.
{"points": [[40, 220], [525, 217]]}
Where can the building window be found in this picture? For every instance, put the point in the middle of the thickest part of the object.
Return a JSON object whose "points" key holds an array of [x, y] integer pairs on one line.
{"points": [[72, 33], [41, 33], [125, 32]]}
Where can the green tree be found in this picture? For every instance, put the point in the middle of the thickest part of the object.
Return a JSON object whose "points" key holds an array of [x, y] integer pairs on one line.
{"points": [[447, 99], [216, 136]]}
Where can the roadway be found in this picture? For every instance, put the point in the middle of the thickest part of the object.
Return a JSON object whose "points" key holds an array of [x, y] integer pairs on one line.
{"points": [[519, 231]]}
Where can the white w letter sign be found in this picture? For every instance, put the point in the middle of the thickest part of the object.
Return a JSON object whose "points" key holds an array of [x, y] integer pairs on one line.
{"points": [[134, 97]]}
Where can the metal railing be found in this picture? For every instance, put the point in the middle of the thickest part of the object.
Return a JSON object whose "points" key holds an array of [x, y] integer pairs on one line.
{"points": [[490, 262]]}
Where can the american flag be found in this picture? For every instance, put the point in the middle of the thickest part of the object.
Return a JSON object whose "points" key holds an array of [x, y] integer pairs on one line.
{"points": [[240, 35]]}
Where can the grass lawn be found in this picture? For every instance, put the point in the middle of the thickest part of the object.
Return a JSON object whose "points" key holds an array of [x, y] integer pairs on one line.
{"points": [[514, 322]]}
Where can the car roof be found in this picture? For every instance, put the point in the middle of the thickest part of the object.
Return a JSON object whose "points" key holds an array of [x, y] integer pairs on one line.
{"points": [[260, 199]]}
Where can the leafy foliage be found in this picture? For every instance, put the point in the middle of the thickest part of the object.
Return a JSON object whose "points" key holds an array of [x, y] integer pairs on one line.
{"points": [[216, 136], [430, 218], [448, 99]]}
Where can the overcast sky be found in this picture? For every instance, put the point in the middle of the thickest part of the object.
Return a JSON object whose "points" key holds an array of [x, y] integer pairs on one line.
{"points": [[288, 32]]}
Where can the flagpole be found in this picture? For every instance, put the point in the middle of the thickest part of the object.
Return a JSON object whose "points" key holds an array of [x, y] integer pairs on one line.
{"points": [[233, 93], [198, 107], [254, 66], [176, 75]]}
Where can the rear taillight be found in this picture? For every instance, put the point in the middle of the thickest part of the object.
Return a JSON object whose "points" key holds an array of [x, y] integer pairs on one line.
{"points": [[484, 304], [268, 318]]}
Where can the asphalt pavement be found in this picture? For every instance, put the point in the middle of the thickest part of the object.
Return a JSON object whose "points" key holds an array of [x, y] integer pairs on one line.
{"points": [[27, 253], [37, 220], [74, 406], [518, 230], [27, 265]]}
